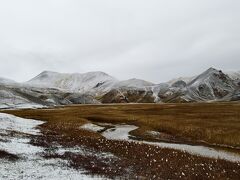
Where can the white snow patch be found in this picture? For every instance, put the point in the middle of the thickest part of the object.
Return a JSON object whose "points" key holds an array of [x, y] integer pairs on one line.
{"points": [[153, 133], [30, 165], [13, 123], [92, 127], [85, 152], [235, 75], [20, 146], [53, 169]]}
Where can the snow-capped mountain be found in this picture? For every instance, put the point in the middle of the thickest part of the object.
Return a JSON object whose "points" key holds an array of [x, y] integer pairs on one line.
{"points": [[96, 83], [209, 86], [52, 88], [91, 82]]}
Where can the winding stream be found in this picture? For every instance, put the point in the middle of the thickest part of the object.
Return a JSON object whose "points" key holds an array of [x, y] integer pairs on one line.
{"points": [[121, 132]]}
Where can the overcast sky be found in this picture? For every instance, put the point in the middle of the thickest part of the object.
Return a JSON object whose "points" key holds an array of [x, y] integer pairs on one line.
{"points": [[155, 40]]}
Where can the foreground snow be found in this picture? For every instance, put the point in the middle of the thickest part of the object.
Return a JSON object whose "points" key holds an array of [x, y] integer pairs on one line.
{"points": [[39, 169], [14, 139]]}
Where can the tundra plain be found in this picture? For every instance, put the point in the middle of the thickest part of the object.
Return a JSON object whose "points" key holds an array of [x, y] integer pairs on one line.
{"points": [[149, 152]]}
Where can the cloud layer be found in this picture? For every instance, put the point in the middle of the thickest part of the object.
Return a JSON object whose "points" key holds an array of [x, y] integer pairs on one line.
{"points": [[153, 40]]}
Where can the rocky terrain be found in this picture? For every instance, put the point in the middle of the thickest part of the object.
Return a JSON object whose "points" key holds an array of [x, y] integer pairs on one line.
{"points": [[18, 96], [52, 89], [211, 85]]}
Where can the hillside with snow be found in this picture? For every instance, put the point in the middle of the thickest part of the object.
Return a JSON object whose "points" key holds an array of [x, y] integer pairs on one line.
{"points": [[53, 89], [134, 83], [235, 75], [95, 82], [211, 84]]}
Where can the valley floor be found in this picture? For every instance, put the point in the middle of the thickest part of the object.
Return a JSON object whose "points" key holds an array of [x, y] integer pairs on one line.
{"points": [[135, 141]]}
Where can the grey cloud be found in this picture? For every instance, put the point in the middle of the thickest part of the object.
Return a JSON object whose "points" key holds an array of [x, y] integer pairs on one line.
{"points": [[149, 39]]}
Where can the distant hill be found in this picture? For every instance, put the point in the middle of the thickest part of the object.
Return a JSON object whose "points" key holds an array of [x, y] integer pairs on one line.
{"points": [[52, 88]]}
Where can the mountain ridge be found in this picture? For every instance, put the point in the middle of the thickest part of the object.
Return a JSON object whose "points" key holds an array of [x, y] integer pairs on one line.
{"points": [[52, 88]]}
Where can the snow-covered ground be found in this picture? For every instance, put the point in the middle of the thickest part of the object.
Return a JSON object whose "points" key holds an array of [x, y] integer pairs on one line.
{"points": [[15, 139]]}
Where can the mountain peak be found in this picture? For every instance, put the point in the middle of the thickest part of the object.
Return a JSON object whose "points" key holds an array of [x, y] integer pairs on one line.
{"points": [[211, 69], [212, 84], [48, 72], [75, 82], [207, 74], [97, 72]]}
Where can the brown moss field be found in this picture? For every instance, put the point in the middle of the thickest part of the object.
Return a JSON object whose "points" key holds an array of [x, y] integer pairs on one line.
{"points": [[209, 124]]}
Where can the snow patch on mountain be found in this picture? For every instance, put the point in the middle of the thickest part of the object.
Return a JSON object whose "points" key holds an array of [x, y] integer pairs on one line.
{"points": [[6, 81], [212, 84], [135, 83], [86, 82], [235, 75], [52, 88], [13, 101], [185, 79]]}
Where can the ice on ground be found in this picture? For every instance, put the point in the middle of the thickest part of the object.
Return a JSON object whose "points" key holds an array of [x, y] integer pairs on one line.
{"points": [[121, 132], [15, 139], [199, 150], [92, 127]]}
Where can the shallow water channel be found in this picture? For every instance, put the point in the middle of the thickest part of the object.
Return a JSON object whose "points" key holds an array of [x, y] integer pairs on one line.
{"points": [[121, 132]]}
